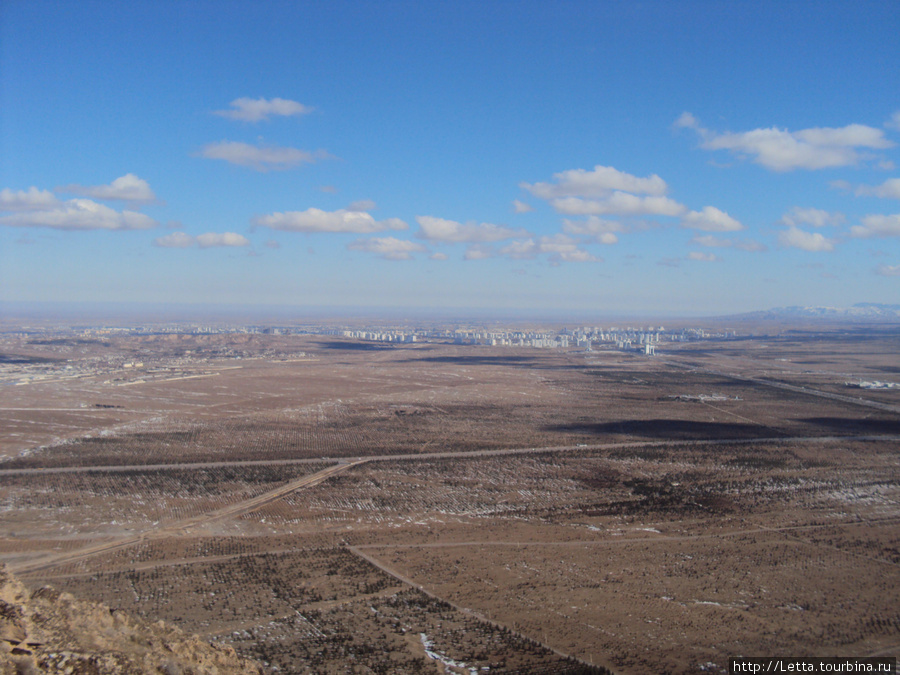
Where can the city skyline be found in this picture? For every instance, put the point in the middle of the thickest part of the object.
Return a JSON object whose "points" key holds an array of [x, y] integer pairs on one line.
{"points": [[645, 158]]}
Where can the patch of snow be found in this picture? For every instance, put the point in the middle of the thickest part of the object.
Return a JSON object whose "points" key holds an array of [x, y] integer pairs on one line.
{"points": [[437, 656]]}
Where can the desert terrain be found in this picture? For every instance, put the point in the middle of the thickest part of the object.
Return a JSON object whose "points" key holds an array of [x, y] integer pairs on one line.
{"points": [[328, 504]]}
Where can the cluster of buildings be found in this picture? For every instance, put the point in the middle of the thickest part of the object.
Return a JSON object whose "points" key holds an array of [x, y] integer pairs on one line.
{"points": [[876, 384], [643, 340], [379, 336]]}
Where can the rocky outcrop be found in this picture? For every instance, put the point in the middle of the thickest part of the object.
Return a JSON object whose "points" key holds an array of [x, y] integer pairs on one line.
{"points": [[51, 632]]}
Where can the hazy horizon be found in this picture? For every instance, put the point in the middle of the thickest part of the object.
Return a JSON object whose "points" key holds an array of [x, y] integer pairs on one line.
{"points": [[186, 312], [130, 314]]}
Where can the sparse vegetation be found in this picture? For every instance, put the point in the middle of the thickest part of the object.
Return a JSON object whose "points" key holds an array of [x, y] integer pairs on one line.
{"points": [[510, 502]]}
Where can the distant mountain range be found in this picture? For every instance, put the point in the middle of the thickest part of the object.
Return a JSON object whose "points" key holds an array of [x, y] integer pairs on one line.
{"points": [[861, 311]]}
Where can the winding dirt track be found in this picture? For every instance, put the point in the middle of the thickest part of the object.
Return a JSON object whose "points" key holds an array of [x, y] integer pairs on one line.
{"points": [[248, 505], [183, 526]]}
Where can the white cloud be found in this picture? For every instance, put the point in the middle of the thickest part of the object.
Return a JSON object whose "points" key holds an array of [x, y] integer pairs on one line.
{"points": [[211, 239], [810, 216], [599, 182], [255, 110], [889, 270], [575, 255], [686, 121], [618, 203], [80, 214], [877, 226], [260, 158], [600, 230], [174, 240], [711, 219], [783, 150], [316, 220], [560, 248], [894, 122], [362, 205], [27, 200], [271, 243], [127, 188], [889, 189], [389, 248], [794, 237], [478, 252], [206, 240], [439, 256], [850, 136], [440, 229], [702, 257], [521, 207], [520, 249]]}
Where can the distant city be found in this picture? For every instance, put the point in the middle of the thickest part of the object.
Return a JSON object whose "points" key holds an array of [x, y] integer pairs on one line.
{"points": [[126, 367]]}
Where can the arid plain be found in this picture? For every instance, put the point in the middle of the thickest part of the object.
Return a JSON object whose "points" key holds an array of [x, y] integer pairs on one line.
{"points": [[328, 505]]}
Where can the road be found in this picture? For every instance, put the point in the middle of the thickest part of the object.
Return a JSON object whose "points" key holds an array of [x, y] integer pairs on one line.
{"points": [[183, 526], [641, 537], [852, 400], [124, 468], [253, 503]]}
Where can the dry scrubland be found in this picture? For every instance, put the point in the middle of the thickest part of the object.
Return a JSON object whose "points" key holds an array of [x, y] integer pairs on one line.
{"points": [[526, 511]]}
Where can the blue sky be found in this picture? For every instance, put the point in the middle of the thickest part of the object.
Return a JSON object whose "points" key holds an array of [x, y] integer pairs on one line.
{"points": [[601, 157]]}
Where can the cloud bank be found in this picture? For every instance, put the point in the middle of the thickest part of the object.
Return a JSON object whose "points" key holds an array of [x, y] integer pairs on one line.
{"points": [[75, 214], [388, 248], [258, 109], [889, 189], [206, 240], [521, 207], [560, 248], [877, 226], [605, 191], [810, 216], [261, 158], [600, 230], [127, 188], [450, 231], [794, 237], [702, 257], [599, 182], [316, 220], [711, 219], [782, 150], [27, 200]]}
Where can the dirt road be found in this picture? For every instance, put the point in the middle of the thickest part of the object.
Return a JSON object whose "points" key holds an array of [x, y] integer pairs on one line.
{"points": [[125, 468], [184, 526]]}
